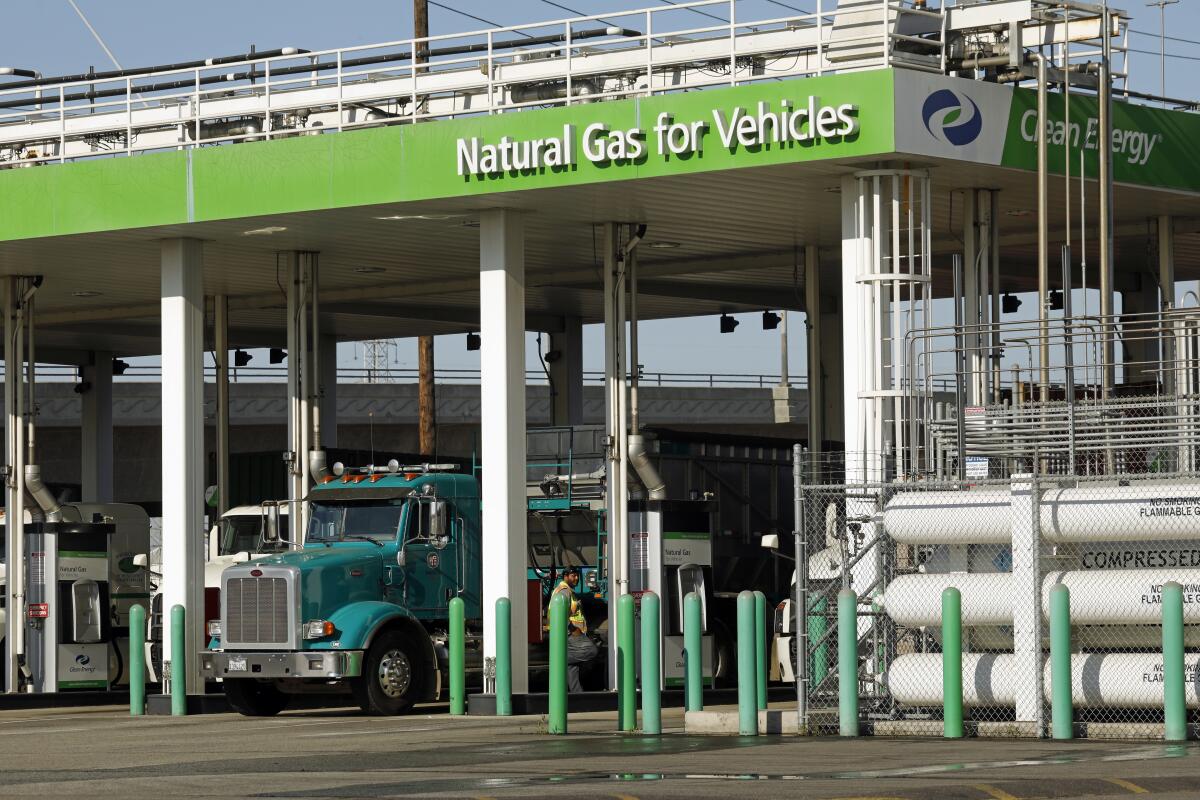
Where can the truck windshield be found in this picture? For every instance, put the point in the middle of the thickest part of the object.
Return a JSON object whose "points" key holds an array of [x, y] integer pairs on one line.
{"points": [[333, 522], [242, 534]]}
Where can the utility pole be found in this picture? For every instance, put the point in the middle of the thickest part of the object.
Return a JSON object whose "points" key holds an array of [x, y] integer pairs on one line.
{"points": [[426, 415], [1162, 42]]}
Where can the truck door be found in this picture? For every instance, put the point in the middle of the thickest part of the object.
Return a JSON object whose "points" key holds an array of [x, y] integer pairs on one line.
{"points": [[433, 570]]}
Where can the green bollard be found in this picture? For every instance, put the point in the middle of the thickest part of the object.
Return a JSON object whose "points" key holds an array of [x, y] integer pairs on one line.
{"points": [[746, 665], [1060, 662], [137, 661], [847, 635], [503, 657], [818, 623], [178, 663], [651, 666], [1174, 700], [952, 692], [626, 668], [558, 664], [693, 653], [458, 677], [760, 649]]}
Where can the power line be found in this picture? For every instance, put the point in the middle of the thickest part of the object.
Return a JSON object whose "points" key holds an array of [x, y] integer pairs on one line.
{"points": [[580, 13], [96, 35], [1169, 38], [468, 15], [1168, 55], [695, 11]]}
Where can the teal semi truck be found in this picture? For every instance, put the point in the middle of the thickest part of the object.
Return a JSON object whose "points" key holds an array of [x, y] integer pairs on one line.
{"points": [[363, 606]]}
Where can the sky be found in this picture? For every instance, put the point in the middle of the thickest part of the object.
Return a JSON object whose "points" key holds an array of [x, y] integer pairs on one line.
{"points": [[48, 36]]}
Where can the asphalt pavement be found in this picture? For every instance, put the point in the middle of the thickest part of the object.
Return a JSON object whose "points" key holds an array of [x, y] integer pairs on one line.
{"points": [[339, 753]]}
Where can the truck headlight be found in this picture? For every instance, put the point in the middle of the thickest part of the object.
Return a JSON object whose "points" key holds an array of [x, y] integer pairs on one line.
{"points": [[214, 629], [318, 629]]}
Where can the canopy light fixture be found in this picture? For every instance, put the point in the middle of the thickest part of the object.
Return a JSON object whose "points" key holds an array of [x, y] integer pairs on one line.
{"points": [[770, 320], [86, 293], [277, 355], [369, 270], [473, 341], [241, 358], [267, 231], [663, 245], [728, 323]]}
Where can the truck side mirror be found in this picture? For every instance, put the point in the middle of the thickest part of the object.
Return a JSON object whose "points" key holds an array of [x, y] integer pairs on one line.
{"points": [[437, 520], [270, 529], [770, 541]]}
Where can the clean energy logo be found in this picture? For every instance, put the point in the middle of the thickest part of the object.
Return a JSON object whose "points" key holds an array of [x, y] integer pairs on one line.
{"points": [[952, 117], [83, 659]]}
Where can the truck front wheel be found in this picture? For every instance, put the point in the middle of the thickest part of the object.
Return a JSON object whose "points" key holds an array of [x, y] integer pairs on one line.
{"points": [[254, 698], [394, 676]]}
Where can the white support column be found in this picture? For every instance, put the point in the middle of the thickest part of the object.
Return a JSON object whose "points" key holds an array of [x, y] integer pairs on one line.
{"points": [[183, 444], [566, 372], [615, 430], [502, 413], [1026, 599], [856, 250], [96, 468], [328, 390], [221, 354]]}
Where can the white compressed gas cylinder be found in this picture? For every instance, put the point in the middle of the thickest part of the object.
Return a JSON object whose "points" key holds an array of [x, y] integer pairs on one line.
{"points": [[1113, 680], [1083, 637], [1166, 511], [916, 600], [978, 516], [915, 679], [1098, 597]]}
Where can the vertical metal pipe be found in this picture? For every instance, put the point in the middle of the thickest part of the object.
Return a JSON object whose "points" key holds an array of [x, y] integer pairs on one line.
{"points": [[314, 366], [960, 366], [760, 650], [800, 598], [12, 422], [1106, 197], [816, 378], [1043, 183], [16, 576], [221, 353], [631, 268], [30, 385], [1068, 356]]}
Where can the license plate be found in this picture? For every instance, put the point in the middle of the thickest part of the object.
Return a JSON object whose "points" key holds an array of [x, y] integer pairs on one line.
{"points": [[236, 665]]}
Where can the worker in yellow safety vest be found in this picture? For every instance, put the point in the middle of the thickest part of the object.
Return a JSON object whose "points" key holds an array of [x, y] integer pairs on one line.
{"points": [[580, 648]]}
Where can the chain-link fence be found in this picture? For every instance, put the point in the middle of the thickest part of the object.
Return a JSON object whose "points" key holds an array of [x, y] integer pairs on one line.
{"points": [[1003, 544]]}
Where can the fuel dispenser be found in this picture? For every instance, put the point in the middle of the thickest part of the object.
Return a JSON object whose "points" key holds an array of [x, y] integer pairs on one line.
{"points": [[670, 554], [83, 577]]}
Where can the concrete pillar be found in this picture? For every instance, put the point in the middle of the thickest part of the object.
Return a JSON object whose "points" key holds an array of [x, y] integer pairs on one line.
{"points": [[832, 353], [96, 427], [327, 390], [183, 444], [502, 417], [566, 373]]}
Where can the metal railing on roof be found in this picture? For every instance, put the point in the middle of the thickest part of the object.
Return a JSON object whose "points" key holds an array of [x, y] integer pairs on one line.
{"points": [[560, 62]]}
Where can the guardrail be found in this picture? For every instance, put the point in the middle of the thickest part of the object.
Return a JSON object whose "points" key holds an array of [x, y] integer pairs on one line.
{"points": [[295, 92]]}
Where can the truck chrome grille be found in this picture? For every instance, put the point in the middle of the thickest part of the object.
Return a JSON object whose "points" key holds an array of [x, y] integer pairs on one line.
{"points": [[257, 611]]}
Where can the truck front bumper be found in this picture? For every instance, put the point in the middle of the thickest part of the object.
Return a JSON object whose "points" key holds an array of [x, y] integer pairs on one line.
{"points": [[321, 664]]}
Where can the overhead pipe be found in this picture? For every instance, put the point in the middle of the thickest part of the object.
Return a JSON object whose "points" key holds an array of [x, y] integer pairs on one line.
{"points": [[41, 495]]}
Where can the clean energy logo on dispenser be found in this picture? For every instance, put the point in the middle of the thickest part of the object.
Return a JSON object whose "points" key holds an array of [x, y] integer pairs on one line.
{"points": [[952, 117], [83, 659]]}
